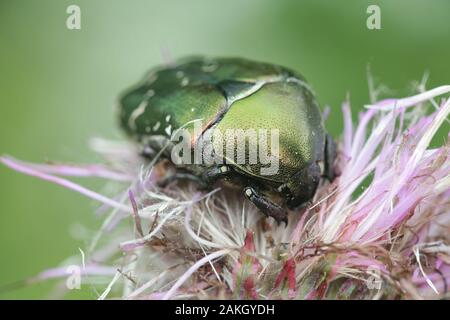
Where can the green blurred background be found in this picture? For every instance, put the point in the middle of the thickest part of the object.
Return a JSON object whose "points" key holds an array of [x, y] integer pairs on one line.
{"points": [[58, 87]]}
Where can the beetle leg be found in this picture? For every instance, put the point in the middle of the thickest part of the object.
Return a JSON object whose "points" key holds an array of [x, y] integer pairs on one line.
{"points": [[205, 180], [303, 184], [215, 173], [147, 152], [164, 182], [266, 206], [330, 156]]}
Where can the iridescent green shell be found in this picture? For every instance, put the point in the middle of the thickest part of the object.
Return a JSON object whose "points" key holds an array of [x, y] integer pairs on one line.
{"points": [[230, 93]]}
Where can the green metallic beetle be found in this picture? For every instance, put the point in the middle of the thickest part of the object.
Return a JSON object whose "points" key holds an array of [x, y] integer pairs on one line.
{"points": [[234, 93]]}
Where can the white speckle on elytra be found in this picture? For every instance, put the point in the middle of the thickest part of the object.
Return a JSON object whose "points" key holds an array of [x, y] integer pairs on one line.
{"points": [[147, 129], [223, 169], [168, 130], [150, 93], [179, 74], [192, 109], [168, 118], [136, 113], [184, 82], [248, 192], [156, 126]]}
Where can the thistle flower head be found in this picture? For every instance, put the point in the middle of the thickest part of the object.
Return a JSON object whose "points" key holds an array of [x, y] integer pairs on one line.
{"points": [[379, 230]]}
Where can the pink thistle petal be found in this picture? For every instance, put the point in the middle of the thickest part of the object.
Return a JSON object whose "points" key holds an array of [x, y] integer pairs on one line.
{"points": [[246, 268], [390, 104], [348, 129], [287, 274], [81, 170], [250, 289], [23, 168], [62, 272], [191, 270], [137, 218]]}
